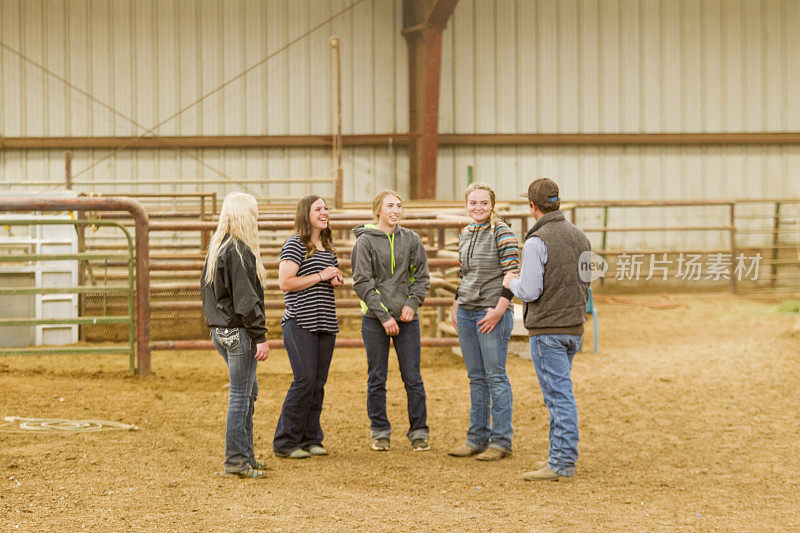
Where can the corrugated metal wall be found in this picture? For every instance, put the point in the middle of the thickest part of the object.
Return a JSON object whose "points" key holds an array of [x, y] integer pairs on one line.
{"points": [[597, 66], [625, 66], [148, 59]]}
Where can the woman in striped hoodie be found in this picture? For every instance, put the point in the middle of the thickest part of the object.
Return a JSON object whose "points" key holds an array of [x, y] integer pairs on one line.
{"points": [[483, 317]]}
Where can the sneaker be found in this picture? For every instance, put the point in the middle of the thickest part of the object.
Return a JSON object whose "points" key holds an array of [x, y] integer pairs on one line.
{"points": [[297, 453], [541, 464], [248, 473], [420, 445], [380, 444], [465, 450], [259, 465], [544, 474], [492, 453], [316, 449]]}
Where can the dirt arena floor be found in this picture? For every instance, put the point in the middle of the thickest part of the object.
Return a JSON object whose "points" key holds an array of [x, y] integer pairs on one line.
{"points": [[689, 419]]}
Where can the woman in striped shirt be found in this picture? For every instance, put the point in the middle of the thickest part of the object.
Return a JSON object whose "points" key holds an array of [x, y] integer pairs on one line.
{"points": [[307, 274], [483, 318]]}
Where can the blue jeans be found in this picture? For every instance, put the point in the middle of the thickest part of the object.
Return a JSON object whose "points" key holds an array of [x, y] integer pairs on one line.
{"points": [[239, 351], [489, 388], [407, 347], [552, 357], [310, 354]]}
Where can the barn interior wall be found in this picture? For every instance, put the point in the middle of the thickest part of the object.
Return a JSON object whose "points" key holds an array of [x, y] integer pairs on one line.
{"points": [[509, 66]]}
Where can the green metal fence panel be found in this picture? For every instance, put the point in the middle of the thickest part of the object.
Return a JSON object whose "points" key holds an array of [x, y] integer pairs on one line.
{"points": [[117, 289]]}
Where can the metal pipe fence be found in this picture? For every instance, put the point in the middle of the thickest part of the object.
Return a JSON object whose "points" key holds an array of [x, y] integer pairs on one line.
{"points": [[123, 290], [141, 251]]}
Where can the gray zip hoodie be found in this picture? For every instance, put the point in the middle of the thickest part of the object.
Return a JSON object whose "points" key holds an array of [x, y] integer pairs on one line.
{"points": [[389, 271]]}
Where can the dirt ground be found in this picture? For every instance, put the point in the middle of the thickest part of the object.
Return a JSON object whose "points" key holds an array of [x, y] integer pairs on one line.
{"points": [[689, 419]]}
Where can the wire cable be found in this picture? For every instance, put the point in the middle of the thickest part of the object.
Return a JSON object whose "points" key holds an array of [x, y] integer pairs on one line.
{"points": [[104, 105], [225, 84]]}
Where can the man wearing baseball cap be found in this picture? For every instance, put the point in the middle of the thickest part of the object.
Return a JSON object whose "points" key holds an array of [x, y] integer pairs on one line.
{"points": [[555, 307]]}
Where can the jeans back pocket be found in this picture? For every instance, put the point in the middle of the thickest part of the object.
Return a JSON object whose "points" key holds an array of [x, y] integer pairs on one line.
{"points": [[228, 337]]}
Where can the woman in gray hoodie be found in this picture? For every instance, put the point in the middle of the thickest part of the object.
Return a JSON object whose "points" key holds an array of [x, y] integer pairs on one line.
{"points": [[390, 275]]}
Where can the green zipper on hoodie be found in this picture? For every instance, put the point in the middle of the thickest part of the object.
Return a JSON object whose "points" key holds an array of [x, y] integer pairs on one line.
{"points": [[391, 241], [364, 307]]}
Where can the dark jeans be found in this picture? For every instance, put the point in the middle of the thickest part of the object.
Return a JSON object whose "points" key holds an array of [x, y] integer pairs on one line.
{"points": [[238, 350], [407, 347], [310, 354]]}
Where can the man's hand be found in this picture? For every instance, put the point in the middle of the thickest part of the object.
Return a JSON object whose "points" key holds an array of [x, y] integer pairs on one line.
{"points": [[391, 328], [406, 314], [454, 315], [488, 322], [262, 351], [508, 277]]}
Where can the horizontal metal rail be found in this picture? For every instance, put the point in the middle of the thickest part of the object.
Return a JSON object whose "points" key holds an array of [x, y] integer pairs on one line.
{"points": [[86, 320], [402, 139], [278, 343], [83, 289], [63, 257], [53, 350], [272, 304]]}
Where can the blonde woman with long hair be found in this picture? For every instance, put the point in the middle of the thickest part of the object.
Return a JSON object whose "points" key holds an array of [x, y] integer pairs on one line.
{"points": [[233, 304], [481, 314]]}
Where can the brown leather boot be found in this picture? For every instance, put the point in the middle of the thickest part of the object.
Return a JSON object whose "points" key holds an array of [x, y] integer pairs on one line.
{"points": [[493, 453], [463, 451]]}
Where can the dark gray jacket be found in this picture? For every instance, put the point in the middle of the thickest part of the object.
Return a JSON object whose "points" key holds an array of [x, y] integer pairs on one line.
{"points": [[389, 271]]}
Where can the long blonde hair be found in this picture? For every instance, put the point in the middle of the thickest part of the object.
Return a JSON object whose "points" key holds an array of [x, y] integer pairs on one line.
{"points": [[239, 218], [481, 186]]}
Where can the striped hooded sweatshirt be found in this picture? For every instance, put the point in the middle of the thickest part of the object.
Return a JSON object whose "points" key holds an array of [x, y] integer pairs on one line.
{"points": [[486, 253], [389, 271]]}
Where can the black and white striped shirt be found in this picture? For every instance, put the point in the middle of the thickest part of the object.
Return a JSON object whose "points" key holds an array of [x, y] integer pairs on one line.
{"points": [[313, 308]]}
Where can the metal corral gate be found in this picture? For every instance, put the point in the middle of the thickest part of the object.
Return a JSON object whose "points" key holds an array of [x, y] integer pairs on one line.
{"points": [[127, 288], [141, 255]]}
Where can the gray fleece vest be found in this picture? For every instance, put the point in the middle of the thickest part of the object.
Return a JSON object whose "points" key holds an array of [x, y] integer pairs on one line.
{"points": [[561, 309]]}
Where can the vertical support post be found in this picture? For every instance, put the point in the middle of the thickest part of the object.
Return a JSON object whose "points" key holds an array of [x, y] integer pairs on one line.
{"points": [[423, 26], [604, 240], [470, 177], [776, 224], [204, 235], [336, 82], [733, 244], [68, 169]]}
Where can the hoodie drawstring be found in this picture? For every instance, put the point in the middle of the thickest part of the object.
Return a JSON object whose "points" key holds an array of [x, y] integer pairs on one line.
{"points": [[391, 247]]}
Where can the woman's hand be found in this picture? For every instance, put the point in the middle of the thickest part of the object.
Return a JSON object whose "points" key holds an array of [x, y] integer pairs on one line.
{"points": [[454, 315], [262, 351], [337, 280], [328, 273], [508, 277], [406, 314], [391, 328], [488, 322]]}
